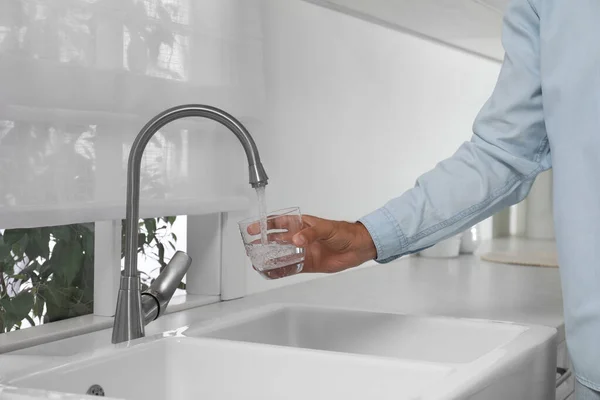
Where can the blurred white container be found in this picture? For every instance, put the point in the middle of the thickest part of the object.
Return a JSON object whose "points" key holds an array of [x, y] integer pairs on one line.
{"points": [[445, 249], [470, 240]]}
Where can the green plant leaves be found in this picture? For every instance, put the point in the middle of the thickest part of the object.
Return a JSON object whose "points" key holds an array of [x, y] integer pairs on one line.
{"points": [[16, 240], [88, 245], [37, 245], [64, 302], [20, 246], [150, 224], [66, 261], [141, 240], [58, 301], [4, 250], [20, 305], [12, 236], [161, 256], [62, 233], [45, 270], [30, 320], [16, 308], [45, 233], [38, 307]]}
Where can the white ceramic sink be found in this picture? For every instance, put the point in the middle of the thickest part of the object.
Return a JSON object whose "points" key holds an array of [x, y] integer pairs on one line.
{"points": [[182, 368], [445, 340], [296, 352]]}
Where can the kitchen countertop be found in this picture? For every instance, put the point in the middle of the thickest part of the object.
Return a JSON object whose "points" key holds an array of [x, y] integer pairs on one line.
{"points": [[464, 287]]}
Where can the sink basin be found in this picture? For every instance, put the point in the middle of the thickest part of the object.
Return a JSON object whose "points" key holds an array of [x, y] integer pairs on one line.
{"points": [[300, 352], [187, 368], [445, 340]]}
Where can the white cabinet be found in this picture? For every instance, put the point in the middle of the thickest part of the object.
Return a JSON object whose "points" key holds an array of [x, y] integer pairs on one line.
{"points": [[565, 391]]}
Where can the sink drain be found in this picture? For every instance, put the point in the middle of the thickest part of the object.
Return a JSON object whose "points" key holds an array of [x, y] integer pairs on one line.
{"points": [[95, 390]]}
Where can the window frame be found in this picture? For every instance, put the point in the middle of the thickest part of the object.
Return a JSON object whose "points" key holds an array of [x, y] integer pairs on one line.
{"points": [[210, 238], [218, 273]]}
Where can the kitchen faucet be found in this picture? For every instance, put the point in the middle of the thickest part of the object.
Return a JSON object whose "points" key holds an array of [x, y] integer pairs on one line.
{"points": [[136, 309]]}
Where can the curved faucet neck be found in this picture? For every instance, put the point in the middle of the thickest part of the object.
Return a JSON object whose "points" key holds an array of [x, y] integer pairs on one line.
{"points": [[258, 176]]}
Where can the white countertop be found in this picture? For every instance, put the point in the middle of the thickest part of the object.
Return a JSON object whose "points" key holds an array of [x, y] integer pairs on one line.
{"points": [[463, 287]]}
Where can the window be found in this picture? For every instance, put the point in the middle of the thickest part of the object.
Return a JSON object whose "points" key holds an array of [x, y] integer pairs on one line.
{"points": [[75, 91], [158, 45], [47, 273], [158, 240]]}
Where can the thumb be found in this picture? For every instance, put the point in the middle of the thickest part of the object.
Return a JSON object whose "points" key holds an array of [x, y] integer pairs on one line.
{"points": [[320, 231]]}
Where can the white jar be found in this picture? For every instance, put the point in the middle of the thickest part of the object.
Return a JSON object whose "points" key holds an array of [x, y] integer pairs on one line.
{"points": [[445, 249], [470, 240]]}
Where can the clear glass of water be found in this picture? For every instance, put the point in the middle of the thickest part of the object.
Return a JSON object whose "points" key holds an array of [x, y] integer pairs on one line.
{"points": [[274, 255]]}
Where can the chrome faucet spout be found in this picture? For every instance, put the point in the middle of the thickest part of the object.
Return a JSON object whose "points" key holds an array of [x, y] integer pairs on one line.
{"points": [[131, 315]]}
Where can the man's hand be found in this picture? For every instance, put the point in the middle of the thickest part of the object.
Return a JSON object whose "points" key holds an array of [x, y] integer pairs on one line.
{"points": [[330, 246], [333, 246]]}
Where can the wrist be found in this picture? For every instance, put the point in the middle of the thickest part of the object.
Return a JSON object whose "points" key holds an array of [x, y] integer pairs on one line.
{"points": [[365, 247]]}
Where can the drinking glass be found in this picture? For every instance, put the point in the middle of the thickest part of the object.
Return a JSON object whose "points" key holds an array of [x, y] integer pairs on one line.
{"points": [[273, 255]]}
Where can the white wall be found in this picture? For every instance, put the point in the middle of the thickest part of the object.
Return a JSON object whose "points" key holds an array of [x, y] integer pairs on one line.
{"points": [[346, 113], [356, 111]]}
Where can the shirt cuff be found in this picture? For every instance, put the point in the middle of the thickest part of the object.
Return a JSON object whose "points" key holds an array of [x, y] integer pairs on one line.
{"points": [[385, 231]]}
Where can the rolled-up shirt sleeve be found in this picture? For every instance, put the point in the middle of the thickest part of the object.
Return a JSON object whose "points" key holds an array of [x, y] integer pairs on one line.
{"points": [[494, 170]]}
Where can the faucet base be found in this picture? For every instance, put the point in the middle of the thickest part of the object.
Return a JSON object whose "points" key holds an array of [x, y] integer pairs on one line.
{"points": [[128, 316]]}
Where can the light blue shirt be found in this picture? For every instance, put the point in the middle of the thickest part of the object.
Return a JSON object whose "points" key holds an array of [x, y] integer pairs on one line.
{"points": [[544, 112]]}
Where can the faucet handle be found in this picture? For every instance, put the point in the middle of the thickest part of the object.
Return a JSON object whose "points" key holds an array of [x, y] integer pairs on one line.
{"points": [[160, 292]]}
